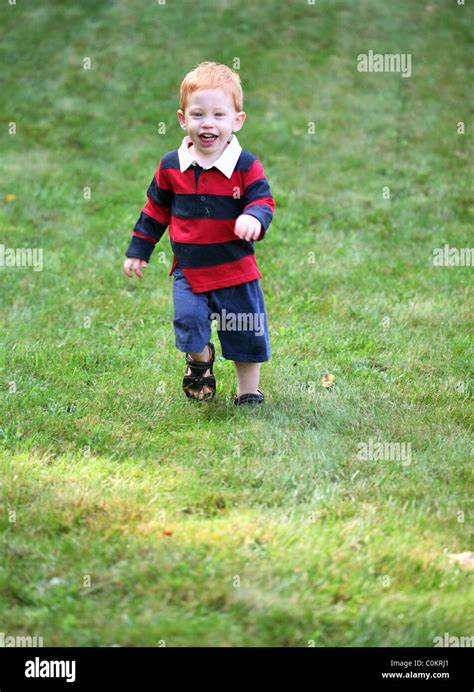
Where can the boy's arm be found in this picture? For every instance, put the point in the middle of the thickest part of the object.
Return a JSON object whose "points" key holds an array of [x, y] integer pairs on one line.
{"points": [[154, 217], [258, 197]]}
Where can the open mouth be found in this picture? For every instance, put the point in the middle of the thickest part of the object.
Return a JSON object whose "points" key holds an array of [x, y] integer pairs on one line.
{"points": [[207, 138]]}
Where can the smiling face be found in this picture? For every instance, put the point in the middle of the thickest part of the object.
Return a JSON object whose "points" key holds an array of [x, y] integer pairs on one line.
{"points": [[210, 112]]}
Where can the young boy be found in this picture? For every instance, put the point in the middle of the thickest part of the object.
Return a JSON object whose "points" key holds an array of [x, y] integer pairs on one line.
{"points": [[216, 200]]}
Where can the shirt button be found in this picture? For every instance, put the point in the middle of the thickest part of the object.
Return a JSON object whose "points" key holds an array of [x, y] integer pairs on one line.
{"points": [[203, 199]]}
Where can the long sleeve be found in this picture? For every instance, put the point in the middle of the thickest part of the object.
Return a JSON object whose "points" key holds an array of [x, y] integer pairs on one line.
{"points": [[154, 217], [258, 197]]}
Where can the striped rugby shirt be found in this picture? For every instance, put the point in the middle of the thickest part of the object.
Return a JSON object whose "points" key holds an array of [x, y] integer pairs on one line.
{"points": [[200, 205]]}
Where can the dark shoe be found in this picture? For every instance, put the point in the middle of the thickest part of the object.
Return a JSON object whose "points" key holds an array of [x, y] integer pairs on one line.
{"points": [[195, 380], [250, 398]]}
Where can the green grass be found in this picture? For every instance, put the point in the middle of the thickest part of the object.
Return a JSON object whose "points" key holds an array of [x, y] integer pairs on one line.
{"points": [[205, 524]]}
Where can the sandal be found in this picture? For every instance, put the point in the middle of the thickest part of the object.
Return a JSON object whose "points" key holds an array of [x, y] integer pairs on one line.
{"points": [[196, 380], [250, 398]]}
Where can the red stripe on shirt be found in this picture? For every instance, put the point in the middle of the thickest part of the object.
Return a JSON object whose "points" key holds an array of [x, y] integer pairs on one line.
{"points": [[221, 275], [202, 230], [160, 214], [147, 237]]}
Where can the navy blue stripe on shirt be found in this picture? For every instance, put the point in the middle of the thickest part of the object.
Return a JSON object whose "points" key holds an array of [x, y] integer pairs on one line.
{"points": [[158, 195], [195, 255], [140, 247], [203, 206], [260, 188], [150, 227]]}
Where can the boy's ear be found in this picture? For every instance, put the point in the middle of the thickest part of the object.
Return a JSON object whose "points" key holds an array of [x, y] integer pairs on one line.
{"points": [[239, 121], [181, 118]]}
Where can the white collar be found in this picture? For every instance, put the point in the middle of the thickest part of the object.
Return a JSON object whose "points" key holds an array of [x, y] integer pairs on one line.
{"points": [[225, 163]]}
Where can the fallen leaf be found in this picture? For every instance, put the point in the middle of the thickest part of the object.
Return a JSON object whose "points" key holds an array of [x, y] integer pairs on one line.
{"points": [[327, 380], [9, 198], [167, 533]]}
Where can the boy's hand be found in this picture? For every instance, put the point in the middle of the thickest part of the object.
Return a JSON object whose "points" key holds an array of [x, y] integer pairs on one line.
{"points": [[134, 264], [247, 227]]}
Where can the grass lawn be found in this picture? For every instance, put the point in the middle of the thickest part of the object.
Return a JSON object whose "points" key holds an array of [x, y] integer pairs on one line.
{"points": [[133, 516]]}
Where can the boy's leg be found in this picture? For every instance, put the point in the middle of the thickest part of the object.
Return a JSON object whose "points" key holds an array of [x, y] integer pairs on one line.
{"points": [[248, 377], [192, 325], [201, 357], [242, 330]]}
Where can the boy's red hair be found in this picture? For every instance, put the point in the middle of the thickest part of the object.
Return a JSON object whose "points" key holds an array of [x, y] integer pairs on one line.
{"points": [[212, 75]]}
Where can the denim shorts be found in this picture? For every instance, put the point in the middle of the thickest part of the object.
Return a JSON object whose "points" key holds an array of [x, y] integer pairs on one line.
{"points": [[240, 317]]}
